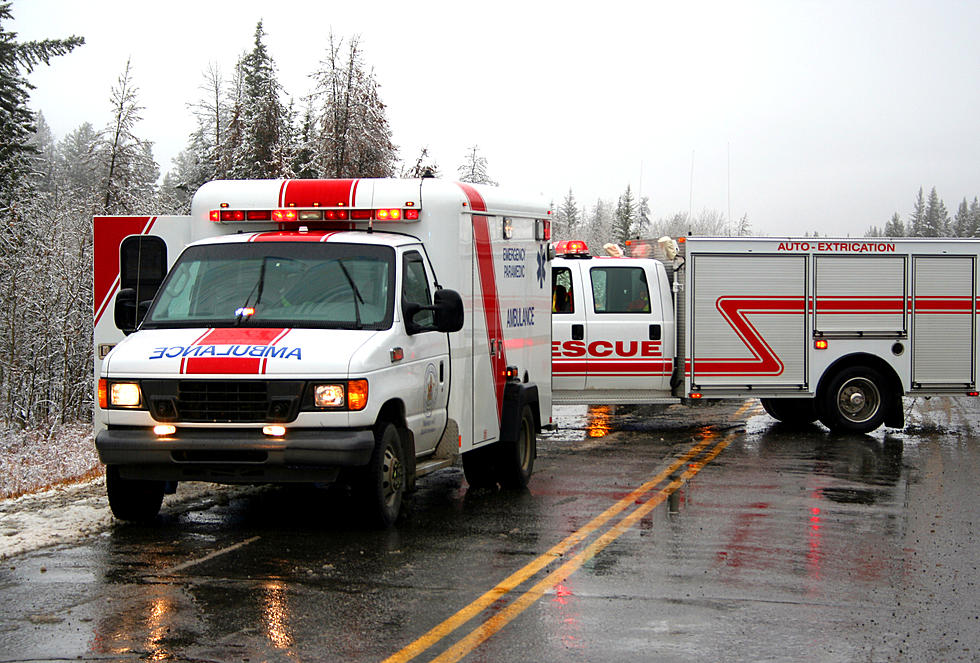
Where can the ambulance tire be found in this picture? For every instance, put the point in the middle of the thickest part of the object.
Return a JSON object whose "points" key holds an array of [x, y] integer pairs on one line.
{"points": [[515, 458], [791, 411], [381, 483], [479, 467], [854, 401], [133, 500]]}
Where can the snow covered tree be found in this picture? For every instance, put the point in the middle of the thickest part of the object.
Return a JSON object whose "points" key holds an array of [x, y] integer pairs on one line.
{"points": [[353, 138], [424, 166], [975, 216], [17, 59], [895, 227], [936, 219], [473, 170], [597, 229], [567, 217], [124, 163], [208, 139], [916, 225], [963, 221], [266, 149], [624, 218]]}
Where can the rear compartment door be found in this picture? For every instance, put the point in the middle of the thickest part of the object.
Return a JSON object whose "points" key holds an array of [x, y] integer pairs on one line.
{"points": [[943, 322]]}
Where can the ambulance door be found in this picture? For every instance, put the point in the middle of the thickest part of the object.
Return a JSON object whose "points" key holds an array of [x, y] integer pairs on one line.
{"points": [[625, 330], [568, 348], [425, 367], [129, 251]]}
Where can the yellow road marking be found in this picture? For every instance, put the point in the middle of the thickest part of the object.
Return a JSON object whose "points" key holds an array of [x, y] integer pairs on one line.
{"points": [[518, 577], [440, 631], [504, 617]]}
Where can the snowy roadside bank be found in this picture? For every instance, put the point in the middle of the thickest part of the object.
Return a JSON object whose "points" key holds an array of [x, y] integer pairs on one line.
{"points": [[68, 513]]}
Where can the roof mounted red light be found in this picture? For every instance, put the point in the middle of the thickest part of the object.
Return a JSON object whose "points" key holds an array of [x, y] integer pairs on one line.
{"points": [[572, 248]]}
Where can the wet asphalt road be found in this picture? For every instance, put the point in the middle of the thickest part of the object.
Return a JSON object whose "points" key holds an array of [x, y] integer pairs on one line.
{"points": [[685, 534]]}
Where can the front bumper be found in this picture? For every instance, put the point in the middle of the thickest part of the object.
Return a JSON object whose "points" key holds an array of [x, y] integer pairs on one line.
{"points": [[234, 455]]}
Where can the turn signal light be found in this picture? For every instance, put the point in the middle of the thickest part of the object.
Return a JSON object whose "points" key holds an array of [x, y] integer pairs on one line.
{"points": [[820, 344]]}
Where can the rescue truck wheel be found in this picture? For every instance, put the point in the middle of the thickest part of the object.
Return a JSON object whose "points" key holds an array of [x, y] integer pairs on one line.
{"points": [[854, 401], [383, 483], [133, 500], [516, 457], [793, 411]]}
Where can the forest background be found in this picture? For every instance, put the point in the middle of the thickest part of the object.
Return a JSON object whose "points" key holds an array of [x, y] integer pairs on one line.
{"points": [[247, 126]]}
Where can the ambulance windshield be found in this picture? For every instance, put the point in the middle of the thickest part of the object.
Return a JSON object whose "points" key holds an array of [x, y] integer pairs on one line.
{"points": [[288, 284]]}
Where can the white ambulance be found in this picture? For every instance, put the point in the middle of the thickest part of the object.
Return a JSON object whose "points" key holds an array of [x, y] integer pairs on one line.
{"points": [[835, 330], [315, 330]]}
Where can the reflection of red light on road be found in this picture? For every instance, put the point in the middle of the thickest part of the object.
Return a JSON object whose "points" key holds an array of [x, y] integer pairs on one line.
{"points": [[814, 553], [598, 420]]}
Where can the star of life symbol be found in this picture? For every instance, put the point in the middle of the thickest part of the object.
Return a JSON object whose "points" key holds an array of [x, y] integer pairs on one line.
{"points": [[542, 260]]}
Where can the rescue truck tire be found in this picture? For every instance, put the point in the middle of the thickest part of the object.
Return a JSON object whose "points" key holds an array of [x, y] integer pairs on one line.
{"points": [[854, 401], [479, 467], [792, 411], [516, 457], [133, 500], [382, 482]]}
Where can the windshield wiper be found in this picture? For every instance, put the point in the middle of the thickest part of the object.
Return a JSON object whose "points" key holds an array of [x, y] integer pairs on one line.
{"points": [[246, 311], [357, 294]]}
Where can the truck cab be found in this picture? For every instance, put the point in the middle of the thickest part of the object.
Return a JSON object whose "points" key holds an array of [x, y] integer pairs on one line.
{"points": [[613, 328]]}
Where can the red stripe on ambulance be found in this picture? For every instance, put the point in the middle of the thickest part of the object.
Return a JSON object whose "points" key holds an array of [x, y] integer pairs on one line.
{"points": [[230, 338], [109, 235], [488, 286]]}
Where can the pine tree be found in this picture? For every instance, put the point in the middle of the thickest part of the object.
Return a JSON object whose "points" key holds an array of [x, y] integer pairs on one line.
{"points": [[895, 227], [266, 149], [962, 222], [567, 217], [975, 216], [624, 217], [208, 139], [936, 220], [16, 119], [474, 168], [917, 220]]}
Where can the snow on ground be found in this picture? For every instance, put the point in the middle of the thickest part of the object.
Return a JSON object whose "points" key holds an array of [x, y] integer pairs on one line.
{"points": [[52, 489], [35, 460]]}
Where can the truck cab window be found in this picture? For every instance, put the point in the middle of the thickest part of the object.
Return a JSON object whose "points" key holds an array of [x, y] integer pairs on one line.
{"points": [[415, 287], [620, 290], [562, 300]]}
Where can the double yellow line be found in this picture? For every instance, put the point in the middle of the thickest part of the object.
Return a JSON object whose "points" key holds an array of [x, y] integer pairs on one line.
{"points": [[500, 619]]}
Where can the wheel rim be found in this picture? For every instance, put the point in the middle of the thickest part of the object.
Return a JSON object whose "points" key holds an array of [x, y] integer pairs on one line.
{"points": [[858, 400], [391, 476]]}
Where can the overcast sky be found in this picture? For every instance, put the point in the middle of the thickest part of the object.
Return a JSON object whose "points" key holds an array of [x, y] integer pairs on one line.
{"points": [[806, 116]]}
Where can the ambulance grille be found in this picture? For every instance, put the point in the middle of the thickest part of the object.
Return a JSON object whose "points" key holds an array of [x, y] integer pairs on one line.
{"points": [[238, 401]]}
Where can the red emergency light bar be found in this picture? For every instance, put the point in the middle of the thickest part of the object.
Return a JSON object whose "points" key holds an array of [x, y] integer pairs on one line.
{"points": [[293, 214], [571, 247]]}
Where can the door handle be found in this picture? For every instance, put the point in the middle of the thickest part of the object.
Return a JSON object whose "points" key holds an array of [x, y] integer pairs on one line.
{"points": [[578, 332], [655, 332]]}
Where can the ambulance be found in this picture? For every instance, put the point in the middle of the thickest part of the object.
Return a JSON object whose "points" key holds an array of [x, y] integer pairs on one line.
{"points": [[835, 330], [363, 330]]}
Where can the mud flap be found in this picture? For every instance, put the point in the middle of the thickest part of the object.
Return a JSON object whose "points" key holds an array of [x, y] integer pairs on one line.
{"points": [[516, 396], [895, 415]]}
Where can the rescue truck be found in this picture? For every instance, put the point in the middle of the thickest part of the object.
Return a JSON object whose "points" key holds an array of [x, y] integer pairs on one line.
{"points": [[836, 330], [365, 330]]}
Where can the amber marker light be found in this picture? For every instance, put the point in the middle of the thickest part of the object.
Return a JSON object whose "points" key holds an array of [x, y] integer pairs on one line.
{"points": [[357, 394]]}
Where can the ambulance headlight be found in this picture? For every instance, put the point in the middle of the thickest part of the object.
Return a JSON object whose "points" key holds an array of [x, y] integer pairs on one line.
{"points": [[348, 395], [124, 394], [329, 395]]}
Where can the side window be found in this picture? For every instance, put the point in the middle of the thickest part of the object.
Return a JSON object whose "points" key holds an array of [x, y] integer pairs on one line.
{"points": [[620, 290], [415, 287], [562, 297]]}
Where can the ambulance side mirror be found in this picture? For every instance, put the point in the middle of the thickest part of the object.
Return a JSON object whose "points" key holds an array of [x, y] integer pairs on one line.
{"points": [[447, 313], [128, 313], [449, 310]]}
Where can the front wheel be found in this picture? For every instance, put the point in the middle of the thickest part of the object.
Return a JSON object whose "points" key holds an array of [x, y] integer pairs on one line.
{"points": [[854, 401], [382, 483], [135, 500]]}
